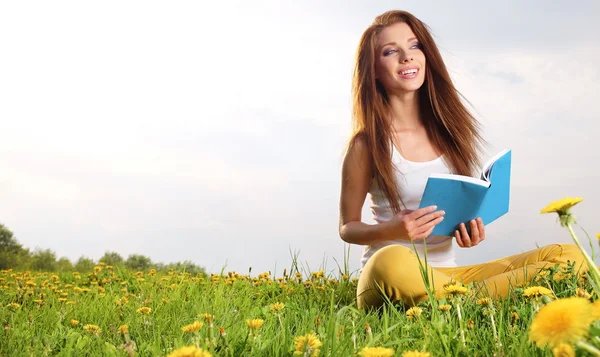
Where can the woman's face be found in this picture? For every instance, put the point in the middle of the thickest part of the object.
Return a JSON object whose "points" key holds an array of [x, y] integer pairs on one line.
{"points": [[399, 60]]}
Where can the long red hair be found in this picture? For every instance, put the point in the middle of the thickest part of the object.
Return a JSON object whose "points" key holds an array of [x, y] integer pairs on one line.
{"points": [[451, 127]]}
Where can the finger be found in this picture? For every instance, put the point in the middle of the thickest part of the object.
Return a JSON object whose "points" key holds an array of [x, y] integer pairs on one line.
{"points": [[429, 217], [474, 233], [422, 211], [428, 233], [464, 235], [428, 226], [420, 236], [458, 239], [481, 228]]}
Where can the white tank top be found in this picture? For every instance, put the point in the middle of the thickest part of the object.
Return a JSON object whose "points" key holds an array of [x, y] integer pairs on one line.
{"points": [[412, 177]]}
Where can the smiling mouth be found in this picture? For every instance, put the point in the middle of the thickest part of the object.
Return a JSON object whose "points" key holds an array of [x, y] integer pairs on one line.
{"points": [[407, 72]]}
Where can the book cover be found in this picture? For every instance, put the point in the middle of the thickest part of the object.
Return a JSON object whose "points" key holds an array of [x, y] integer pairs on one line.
{"points": [[465, 198]]}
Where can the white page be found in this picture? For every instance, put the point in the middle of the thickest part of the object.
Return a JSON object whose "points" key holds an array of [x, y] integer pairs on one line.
{"points": [[462, 178], [485, 172]]}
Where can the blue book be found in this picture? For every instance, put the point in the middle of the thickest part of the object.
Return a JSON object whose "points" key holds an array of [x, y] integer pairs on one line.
{"points": [[464, 198]]}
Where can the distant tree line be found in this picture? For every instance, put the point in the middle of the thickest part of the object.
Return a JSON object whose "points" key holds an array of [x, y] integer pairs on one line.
{"points": [[14, 255]]}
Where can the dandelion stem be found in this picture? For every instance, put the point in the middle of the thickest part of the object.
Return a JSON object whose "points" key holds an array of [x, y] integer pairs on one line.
{"points": [[588, 347], [460, 322], [210, 336], [494, 327], [593, 268]]}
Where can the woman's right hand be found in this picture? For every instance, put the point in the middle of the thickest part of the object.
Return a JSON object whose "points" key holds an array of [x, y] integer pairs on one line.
{"points": [[415, 224]]}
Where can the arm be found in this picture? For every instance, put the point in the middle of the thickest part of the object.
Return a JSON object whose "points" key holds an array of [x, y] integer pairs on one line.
{"points": [[356, 179]]}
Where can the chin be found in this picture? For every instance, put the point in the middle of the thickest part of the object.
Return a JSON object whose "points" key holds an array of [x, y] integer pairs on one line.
{"points": [[414, 86]]}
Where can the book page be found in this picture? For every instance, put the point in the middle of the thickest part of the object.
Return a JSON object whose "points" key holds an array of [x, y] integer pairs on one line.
{"points": [[485, 172], [461, 178]]}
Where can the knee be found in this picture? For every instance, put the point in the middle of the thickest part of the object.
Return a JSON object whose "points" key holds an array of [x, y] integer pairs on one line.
{"points": [[570, 252], [388, 259], [392, 271], [567, 253]]}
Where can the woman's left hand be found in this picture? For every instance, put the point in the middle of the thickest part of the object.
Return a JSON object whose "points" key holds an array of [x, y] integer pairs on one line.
{"points": [[477, 234]]}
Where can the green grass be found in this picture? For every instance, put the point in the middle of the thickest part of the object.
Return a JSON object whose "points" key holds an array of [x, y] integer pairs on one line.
{"points": [[326, 306]]}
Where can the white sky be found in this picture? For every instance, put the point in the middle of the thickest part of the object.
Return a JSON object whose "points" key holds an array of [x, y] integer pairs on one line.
{"points": [[214, 133]]}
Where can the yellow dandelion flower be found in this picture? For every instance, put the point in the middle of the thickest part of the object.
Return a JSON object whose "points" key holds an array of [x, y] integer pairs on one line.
{"points": [[445, 307], [563, 350], [514, 316], [542, 275], [208, 318], [193, 327], [144, 310], [189, 351], [416, 354], [13, 305], [74, 322], [318, 274], [376, 352], [562, 321], [307, 345], [255, 323], [455, 290], [561, 205], [484, 301], [277, 306], [414, 312], [92, 329], [536, 292], [563, 209], [123, 330], [598, 236], [470, 323]]}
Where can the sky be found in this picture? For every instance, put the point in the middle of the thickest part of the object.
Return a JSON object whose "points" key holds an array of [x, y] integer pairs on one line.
{"points": [[214, 131]]}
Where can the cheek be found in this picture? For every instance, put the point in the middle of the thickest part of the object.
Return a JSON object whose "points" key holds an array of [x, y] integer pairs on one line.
{"points": [[383, 67]]}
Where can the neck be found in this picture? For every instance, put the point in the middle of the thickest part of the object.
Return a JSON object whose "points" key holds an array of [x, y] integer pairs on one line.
{"points": [[404, 111]]}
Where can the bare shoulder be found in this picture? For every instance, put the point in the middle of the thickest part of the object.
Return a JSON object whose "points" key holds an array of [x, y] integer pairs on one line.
{"points": [[357, 156]]}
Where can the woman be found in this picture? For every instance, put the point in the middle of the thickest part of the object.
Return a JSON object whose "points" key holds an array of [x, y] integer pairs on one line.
{"points": [[409, 123]]}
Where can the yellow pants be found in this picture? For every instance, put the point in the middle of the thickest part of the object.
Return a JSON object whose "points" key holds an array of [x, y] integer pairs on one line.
{"points": [[395, 270]]}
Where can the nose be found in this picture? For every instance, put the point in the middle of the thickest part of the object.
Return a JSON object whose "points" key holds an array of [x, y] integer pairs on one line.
{"points": [[404, 57]]}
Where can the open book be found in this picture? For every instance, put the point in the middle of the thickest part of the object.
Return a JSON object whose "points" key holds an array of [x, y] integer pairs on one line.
{"points": [[464, 198]]}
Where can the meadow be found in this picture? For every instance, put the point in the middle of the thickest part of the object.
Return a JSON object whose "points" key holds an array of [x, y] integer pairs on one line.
{"points": [[117, 312]]}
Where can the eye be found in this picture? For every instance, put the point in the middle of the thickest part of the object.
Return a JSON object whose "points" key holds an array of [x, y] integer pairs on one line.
{"points": [[387, 52], [416, 46]]}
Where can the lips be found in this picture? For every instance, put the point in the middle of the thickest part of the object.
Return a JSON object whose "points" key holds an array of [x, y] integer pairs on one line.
{"points": [[408, 72]]}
